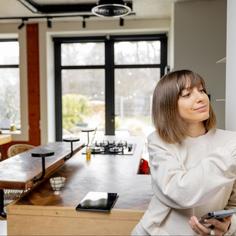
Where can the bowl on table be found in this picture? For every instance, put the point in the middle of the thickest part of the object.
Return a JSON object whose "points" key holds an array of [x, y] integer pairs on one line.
{"points": [[57, 183]]}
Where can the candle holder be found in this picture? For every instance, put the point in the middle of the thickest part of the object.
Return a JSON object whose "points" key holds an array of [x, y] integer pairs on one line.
{"points": [[88, 130], [71, 140], [42, 153]]}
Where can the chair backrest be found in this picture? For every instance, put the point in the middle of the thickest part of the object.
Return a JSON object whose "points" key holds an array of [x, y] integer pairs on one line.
{"points": [[18, 148]]}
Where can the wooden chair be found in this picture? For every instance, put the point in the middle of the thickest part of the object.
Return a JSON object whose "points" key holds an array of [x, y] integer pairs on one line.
{"points": [[18, 148]]}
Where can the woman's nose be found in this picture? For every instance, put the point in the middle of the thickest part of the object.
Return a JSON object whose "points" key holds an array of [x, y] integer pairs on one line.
{"points": [[199, 96]]}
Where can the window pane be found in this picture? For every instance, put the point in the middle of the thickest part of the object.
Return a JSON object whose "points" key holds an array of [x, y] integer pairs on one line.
{"points": [[83, 102], [82, 54], [9, 53], [9, 98], [141, 52], [133, 99]]}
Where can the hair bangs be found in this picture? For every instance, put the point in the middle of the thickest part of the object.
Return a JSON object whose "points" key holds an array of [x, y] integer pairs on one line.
{"points": [[189, 80]]}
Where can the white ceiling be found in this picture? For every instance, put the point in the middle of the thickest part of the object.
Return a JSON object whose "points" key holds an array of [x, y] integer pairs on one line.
{"points": [[142, 8]]}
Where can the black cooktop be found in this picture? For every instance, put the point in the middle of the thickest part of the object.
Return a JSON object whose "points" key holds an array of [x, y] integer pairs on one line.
{"points": [[112, 147]]}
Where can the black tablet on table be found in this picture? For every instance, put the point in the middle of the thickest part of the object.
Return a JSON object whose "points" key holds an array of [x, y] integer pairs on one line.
{"points": [[97, 201]]}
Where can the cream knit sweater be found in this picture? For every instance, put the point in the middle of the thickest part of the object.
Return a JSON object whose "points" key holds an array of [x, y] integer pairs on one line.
{"points": [[188, 179]]}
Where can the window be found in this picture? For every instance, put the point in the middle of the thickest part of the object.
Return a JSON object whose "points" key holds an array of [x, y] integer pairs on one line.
{"points": [[10, 85], [138, 61], [107, 82]]}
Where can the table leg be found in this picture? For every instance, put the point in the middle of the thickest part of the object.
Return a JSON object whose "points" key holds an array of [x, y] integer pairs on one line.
{"points": [[2, 212], [71, 148], [87, 138]]}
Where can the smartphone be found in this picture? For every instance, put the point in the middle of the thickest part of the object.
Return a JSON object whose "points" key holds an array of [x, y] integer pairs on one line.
{"points": [[219, 215]]}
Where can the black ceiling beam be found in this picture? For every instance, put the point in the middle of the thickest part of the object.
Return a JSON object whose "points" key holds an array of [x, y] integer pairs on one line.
{"points": [[43, 17], [85, 15], [61, 8], [47, 9]]}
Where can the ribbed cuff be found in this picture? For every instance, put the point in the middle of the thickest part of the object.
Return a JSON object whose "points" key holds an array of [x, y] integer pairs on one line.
{"points": [[232, 228]]}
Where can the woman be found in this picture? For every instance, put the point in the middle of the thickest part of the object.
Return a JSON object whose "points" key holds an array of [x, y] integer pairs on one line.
{"points": [[193, 164]]}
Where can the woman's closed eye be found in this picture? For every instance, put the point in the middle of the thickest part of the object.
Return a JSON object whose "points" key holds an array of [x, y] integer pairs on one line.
{"points": [[185, 95], [202, 90], [187, 92]]}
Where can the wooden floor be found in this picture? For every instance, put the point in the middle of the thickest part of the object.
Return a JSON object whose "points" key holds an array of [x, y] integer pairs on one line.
{"points": [[3, 227]]}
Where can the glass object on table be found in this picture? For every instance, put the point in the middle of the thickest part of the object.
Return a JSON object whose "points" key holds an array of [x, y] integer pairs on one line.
{"points": [[88, 153], [57, 183]]}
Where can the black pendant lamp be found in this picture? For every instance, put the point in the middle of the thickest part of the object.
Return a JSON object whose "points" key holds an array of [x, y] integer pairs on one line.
{"points": [[111, 8]]}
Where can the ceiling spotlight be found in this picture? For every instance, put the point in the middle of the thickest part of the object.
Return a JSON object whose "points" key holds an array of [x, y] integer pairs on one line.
{"points": [[49, 22], [111, 8], [22, 23], [84, 23], [121, 22]]}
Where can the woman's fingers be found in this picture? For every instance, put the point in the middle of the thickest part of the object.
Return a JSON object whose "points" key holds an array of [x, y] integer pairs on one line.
{"points": [[193, 227], [220, 225], [198, 227]]}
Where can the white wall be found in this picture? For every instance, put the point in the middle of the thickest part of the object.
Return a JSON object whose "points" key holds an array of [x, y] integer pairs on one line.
{"points": [[230, 107], [200, 41]]}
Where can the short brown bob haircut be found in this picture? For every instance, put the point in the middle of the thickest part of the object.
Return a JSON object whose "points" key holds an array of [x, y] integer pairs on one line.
{"points": [[167, 121]]}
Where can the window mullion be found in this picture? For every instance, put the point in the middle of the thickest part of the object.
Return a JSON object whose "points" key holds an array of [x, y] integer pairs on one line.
{"points": [[109, 88], [9, 66], [163, 55], [58, 91], [82, 67], [138, 66]]}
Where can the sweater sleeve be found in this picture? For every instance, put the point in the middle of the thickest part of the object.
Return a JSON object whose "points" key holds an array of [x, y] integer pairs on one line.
{"points": [[232, 204], [179, 187]]}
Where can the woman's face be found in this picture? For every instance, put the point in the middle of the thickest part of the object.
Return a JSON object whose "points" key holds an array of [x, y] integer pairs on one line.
{"points": [[193, 104]]}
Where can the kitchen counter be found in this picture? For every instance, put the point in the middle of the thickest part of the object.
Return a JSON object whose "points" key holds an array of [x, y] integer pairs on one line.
{"points": [[109, 173]]}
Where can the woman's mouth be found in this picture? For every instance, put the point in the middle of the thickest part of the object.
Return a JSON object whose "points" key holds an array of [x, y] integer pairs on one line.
{"points": [[201, 108]]}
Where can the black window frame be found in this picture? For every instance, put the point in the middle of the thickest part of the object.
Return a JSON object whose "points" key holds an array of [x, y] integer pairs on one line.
{"points": [[109, 68]]}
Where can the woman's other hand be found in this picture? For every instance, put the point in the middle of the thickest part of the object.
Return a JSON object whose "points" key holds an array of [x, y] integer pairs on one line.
{"points": [[218, 228]]}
